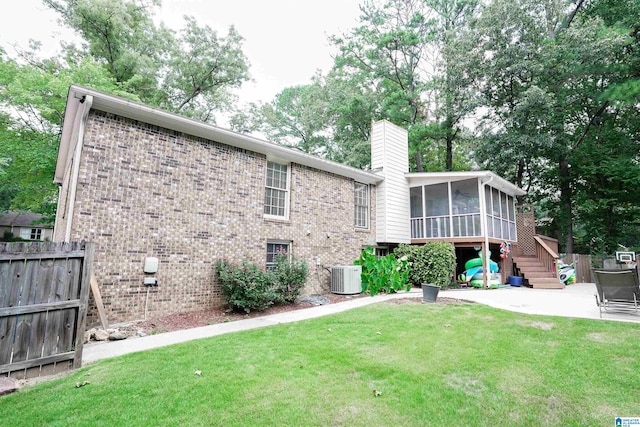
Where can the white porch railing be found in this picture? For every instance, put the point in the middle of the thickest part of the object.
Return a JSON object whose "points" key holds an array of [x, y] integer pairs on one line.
{"points": [[464, 225], [467, 225], [417, 228]]}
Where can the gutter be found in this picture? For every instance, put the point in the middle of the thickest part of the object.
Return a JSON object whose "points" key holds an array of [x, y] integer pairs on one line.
{"points": [[81, 118]]}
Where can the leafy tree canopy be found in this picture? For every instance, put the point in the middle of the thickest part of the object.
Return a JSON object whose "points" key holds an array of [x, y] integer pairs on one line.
{"points": [[552, 90], [123, 52], [545, 93]]}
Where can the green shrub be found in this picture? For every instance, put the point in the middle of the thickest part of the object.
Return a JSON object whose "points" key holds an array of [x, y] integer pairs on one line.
{"points": [[290, 277], [386, 274], [246, 287], [432, 263], [9, 237]]}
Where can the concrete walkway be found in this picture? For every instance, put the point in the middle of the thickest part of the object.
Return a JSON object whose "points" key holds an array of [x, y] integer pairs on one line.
{"points": [[103, 350], [574, 301]]}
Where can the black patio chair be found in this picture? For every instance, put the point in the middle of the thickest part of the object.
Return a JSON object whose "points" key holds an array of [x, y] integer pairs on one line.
{"points": [[617, 289]]}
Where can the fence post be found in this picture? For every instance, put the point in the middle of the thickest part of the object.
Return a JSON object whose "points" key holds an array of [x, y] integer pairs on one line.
{"points": [[84, 302]]}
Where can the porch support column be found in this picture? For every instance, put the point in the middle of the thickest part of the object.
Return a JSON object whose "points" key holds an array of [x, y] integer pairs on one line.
{"points": [[485, 265], [485, 244]]}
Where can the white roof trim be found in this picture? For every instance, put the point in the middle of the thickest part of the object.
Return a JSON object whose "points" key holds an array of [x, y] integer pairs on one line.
{"points": [[435, 177], [143, 113]]}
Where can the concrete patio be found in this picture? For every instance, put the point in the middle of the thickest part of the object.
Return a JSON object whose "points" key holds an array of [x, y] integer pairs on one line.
{"points": [[575, 300]]}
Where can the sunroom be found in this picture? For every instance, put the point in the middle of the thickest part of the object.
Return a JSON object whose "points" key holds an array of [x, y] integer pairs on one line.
{"points": [[462, 206], [473, 210]]}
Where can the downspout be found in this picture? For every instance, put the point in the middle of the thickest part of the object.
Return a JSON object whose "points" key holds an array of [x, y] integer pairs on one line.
{"points": [[83, 112], [486, 262]]}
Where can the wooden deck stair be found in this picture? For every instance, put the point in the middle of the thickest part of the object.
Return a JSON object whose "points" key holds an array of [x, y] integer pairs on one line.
{"points": [[535, 274]]}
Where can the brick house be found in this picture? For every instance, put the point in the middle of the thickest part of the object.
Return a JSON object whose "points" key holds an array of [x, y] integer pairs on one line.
{"points": [[145, 183], [140, 182]]}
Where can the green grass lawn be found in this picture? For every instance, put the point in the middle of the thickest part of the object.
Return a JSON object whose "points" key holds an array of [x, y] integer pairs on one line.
{"points": [[381, 365]]}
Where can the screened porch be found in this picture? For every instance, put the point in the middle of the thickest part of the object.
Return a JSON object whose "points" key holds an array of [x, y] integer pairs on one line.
{"points": [[462, 205]]}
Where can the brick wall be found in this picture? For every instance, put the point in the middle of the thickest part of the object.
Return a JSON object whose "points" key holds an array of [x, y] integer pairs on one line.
{"points": [[148, 191]]}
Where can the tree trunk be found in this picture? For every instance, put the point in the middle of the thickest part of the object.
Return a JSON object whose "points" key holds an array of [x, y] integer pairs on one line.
{"points": [[566, 212], [449, 162], [419, 166], [519, 178], [449, 135]]}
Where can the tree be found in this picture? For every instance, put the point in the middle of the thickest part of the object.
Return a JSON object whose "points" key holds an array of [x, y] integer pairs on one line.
{"points": [[202, 70], [297, 116], [122, 52], [404, 62], [121, 35], [190, 74], [330, 117], [386, 50], [607, 209], [455, 94], [352, 106], [549, 77], [407, 50], [34, 96]]}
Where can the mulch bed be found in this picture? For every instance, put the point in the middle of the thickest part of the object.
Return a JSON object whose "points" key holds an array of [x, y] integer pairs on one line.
{"points": [[194, 319], [180, 321]]}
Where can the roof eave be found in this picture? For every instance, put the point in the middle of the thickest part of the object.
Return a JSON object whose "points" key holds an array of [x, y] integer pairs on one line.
{"points": [[502, 183], [136, 111]]}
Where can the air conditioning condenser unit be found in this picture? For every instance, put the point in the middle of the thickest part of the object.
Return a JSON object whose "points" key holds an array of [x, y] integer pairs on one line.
{"points": [[345, 279]]}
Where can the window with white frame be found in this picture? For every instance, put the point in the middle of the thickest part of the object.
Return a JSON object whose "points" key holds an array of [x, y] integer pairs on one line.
{"points": [[31, 233], [274, 248], [361, 197], [276, 191]]}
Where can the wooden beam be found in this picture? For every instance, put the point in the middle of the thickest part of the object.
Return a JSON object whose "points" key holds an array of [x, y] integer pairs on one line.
{"points": [[41, 255], [17, 366], [39, 308], [98, 297]]}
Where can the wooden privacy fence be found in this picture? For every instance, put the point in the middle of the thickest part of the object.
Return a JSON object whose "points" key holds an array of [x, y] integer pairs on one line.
{"points": [[582, 265], [44, 290]]}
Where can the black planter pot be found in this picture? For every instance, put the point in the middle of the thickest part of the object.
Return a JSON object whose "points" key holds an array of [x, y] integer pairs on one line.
{"points": [[430, 292]]}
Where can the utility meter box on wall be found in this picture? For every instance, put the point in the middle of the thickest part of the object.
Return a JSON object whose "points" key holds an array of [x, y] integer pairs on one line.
{"points": [[150, 265]]}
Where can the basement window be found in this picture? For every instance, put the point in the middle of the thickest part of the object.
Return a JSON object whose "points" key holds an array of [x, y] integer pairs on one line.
{"points": [[274, 248]]}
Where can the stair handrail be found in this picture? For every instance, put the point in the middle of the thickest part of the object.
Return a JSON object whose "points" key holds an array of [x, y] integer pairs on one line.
{"points": [[546, 255]]}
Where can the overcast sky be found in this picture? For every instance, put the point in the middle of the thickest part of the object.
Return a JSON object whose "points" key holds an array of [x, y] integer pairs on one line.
{"points": [[285, 40]]}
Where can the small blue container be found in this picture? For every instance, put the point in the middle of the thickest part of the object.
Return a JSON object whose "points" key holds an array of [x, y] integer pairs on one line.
{"points": [[515, 280]]}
